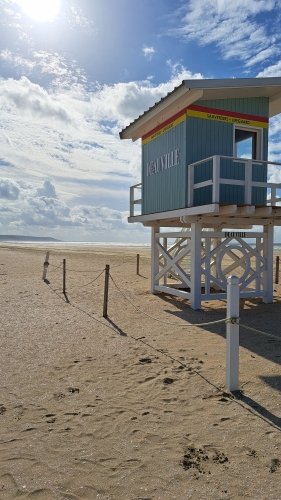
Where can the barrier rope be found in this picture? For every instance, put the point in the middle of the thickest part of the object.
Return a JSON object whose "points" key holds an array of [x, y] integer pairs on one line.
{"points": [[90, 282], [83, 271], [167, 322], [262, 333], [51, 270]]}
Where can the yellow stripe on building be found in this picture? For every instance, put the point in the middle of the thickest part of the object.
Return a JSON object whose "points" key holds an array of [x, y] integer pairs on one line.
{"points": [[164, 129], [226, 119]]}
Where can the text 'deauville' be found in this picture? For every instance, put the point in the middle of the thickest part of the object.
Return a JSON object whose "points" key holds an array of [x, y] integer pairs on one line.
{"points": [[163, 162]]}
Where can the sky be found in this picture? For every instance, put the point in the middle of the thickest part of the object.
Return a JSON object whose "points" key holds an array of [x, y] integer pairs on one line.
{"points": [[73, 73]]}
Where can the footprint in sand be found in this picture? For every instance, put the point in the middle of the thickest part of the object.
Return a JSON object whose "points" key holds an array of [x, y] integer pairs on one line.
{"points": [[198, 459], [275, 465], [2, 409], [252, 453], [59, 395], [73, 390], [168, 380], [51, 417]]}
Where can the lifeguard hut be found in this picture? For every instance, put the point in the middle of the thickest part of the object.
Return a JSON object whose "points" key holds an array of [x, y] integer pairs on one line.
{"points": [[205, 171]]}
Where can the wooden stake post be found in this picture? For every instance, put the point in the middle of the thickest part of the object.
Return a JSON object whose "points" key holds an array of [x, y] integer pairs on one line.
{"points": [[106, 282], [64, 276], [138, 263], [46, 264], [232, 334]]}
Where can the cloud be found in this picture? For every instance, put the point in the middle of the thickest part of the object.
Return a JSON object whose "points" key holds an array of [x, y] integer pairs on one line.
{"points": [[29, 97], [125, 101], [148, 52], [234, 27], [274, 70], [17, 60], [47, 190], [40, 206], [9, 189]]}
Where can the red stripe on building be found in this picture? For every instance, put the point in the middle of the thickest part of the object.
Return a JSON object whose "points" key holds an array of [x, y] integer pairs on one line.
{"points": [[162, 125], [224, 112]]}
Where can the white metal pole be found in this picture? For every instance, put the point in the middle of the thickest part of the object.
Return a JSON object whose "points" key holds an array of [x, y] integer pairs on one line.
{"points": [[165, 260], [216, 179], [195, 275], [190, 186], [46, 263], [154, 258], [248, 182], [268, 273], [232, 334], [132, 199]]}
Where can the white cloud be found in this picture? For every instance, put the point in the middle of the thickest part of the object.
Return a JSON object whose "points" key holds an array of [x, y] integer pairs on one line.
{"points": [[77, 18], [39, 207], [48, 190], [9, 189], [233, 26], [31, 98], [148, 52], [274, 70], [17, 60]]}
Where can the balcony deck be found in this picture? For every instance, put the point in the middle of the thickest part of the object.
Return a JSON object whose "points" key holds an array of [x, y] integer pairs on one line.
{"points": [[217, 214]]}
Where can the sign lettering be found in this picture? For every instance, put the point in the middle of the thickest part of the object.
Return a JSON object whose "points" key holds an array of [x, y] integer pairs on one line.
{"points": [[163, 162], [234, 234]]}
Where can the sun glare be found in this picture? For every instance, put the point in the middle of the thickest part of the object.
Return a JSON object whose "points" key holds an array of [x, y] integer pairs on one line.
{"points": [[40, 10]]}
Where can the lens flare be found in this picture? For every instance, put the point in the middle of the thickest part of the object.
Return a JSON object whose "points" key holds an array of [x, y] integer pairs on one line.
{"points": [[40, 10]]}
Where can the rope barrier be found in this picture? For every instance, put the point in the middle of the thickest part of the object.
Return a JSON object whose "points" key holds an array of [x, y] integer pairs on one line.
{"points": [[90, 282], [83, 271], [262, 333], [51, 270], [168, 322]]}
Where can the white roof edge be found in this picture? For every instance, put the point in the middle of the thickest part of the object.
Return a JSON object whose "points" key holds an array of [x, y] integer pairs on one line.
{"points": [[232, 83], [157, 108]]}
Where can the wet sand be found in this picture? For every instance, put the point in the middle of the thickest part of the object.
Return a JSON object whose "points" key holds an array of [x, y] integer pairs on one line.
{"points": [[129, 408]]}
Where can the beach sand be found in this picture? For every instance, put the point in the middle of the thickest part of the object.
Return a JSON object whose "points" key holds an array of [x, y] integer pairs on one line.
{"points": [[127, 408]]}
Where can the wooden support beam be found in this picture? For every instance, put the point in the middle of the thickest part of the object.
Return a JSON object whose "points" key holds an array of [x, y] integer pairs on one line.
{"points": [[263, 211], [228, 209], [246, 210]]}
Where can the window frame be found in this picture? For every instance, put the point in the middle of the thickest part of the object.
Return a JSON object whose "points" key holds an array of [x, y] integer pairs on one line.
{"points": [[259, 141]]}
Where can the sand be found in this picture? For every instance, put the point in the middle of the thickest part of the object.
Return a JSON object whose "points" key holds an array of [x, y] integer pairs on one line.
{"points": [[129, 408]]}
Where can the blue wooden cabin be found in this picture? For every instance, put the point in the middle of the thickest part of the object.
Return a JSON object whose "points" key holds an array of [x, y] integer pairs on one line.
{"points": [[206, 142]]}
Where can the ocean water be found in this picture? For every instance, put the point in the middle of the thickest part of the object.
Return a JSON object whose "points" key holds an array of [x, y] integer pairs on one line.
{"points": [[276, 246], [78, 244]]}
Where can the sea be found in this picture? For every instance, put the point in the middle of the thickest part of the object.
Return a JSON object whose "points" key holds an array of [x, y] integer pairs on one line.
{"points": [[77, 244], [89, 244]]}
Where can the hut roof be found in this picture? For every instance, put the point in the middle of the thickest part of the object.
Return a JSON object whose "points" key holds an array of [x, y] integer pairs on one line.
{"points": [[190, 91]]}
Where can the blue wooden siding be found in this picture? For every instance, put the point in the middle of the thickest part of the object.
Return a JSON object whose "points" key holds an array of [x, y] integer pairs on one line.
{"points": [[165, 190], [197, 139], [208, 138]]}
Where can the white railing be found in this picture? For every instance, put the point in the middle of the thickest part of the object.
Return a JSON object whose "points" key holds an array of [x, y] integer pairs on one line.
{"points": [[134, 202], [216, 180]]}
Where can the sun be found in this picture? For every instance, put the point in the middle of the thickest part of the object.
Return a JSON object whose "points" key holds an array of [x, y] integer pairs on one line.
{"points": [[40, 10]]}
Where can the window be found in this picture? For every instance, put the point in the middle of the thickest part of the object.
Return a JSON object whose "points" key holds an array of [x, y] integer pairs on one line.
{"points": [[247, 143]]}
